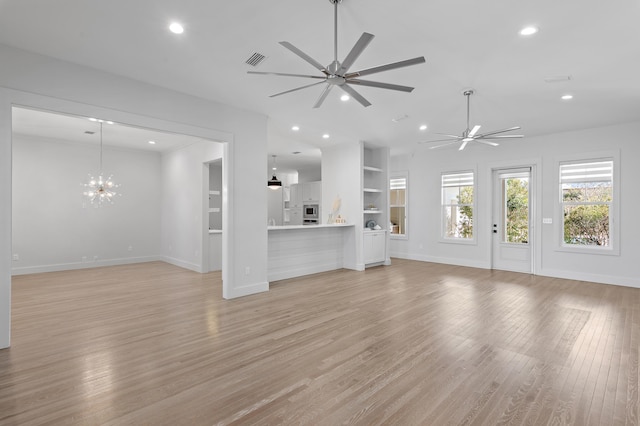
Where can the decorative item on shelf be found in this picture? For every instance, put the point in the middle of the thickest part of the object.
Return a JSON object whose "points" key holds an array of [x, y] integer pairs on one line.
{"points": [[100, 191], [372, 207], [274, 183], [340, 219], [371, 224]]}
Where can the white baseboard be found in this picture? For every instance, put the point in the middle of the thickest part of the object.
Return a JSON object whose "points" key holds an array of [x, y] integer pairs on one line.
{"points": [[554, 273], [183, 264], [246, 290], [594, 278], [445, 260], [82, 265]]}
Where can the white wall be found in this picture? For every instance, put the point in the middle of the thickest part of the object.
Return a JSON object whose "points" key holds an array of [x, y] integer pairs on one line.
{"points": [[425, 167], [33, 80], [312, 174], [342, 178], [54, 227], [184, 201]]}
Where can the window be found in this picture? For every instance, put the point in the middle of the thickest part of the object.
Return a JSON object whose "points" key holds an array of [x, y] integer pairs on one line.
{"points": [[587, 201], [457, 205], [398, 206]]}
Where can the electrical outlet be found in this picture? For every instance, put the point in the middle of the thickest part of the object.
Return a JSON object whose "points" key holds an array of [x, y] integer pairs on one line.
{"points": [[16, 257], [247, 270]]}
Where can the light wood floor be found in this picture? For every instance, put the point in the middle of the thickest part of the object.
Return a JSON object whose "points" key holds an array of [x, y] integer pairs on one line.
{"points": [[410, 344]]}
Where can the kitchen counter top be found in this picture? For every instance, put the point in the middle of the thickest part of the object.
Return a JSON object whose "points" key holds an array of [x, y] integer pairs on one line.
{"points": [[289, 227]]}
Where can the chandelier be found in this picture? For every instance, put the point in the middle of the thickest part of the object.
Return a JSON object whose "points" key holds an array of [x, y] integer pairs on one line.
{"points": [[100, 190]]}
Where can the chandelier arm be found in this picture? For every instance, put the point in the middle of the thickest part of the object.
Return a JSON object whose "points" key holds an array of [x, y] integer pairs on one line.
{"points": [[100, 149]]}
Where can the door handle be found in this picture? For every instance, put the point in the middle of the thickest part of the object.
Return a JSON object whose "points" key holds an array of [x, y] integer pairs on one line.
{"points": [[495, 228]]}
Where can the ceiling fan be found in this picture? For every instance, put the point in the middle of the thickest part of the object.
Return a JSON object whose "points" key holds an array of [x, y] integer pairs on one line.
{"points": [[471, 135], [337, 74]]}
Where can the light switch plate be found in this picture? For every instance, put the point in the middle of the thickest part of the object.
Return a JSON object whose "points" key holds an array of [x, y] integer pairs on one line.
{"points": [[547, 220]]}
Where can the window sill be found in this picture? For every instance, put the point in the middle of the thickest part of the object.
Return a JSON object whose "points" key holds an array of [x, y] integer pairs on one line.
{"points": [[463, 241], [589, 250], [398, 236]]}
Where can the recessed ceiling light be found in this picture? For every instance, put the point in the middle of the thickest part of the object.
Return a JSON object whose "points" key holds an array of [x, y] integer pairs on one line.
{"points": [[567, 97], [400, 118], [109, 122], [93, 119], [423, 127], [527, 31], [325, 136], [344, 98], [176, 28], [295, 128], [152, 142]]}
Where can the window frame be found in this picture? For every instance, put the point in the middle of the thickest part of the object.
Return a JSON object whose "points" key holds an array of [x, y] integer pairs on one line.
{"points": [[474, 206], [614, 207], [405, 176]]}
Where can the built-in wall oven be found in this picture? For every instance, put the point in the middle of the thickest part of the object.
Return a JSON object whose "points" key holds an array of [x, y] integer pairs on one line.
{"points": [[310, 214]]}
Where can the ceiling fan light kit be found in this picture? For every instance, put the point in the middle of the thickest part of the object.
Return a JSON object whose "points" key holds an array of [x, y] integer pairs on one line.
{"points": [[337, 73], [471, 135]]}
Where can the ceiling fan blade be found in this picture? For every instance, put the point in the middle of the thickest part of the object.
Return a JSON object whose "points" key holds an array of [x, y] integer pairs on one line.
{"points": [[503, 137], [387, 67], [380, 85], [304, 56], [357, 49], [457, 139], [323, 96], [283, 74], [297, 88], [443, 145], [355, 95], [474, 130], [464, 143], [486, 142], [497, 131], [451, 136]]}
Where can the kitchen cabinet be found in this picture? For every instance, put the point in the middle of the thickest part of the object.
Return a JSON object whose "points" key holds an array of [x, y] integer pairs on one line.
{"points": [[312, 191], [375, 247], [295, 195], [295, 216]]}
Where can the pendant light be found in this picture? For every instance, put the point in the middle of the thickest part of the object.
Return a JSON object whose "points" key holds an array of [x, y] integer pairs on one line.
{"points": [[274, 183], [100, 191]]}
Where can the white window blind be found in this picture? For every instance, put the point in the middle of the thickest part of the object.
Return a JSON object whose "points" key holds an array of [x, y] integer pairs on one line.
{"points": [[457, 179], [598, 171], [397, 183]]}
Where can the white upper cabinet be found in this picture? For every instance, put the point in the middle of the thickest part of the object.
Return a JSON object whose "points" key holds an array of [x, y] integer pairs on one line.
{"points": [[312, 191]]}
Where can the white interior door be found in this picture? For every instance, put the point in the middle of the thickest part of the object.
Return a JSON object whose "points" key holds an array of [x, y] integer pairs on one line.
{"points": [[512, 244]]}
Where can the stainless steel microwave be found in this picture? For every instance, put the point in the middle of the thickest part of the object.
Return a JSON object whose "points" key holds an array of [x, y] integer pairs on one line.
{"points": [[310, 211]]}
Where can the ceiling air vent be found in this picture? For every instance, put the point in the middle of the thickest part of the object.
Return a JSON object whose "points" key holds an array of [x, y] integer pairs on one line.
{"points": [[89, 132], [255, 59]]}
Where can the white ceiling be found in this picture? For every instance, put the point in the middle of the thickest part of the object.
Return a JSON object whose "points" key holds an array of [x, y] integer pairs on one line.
{"points": [[67, 128], [466, 43]]}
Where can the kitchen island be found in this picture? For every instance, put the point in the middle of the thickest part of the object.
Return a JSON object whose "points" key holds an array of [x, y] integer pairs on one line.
{"points": [[296, 250]]}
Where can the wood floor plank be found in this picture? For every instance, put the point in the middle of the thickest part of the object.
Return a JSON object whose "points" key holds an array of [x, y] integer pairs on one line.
{"points": [[414, 343]]}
